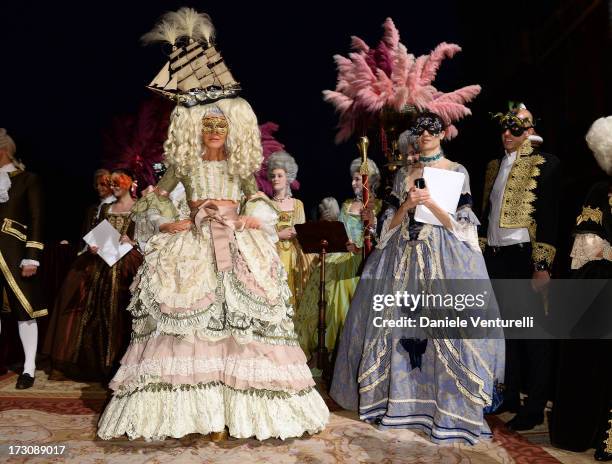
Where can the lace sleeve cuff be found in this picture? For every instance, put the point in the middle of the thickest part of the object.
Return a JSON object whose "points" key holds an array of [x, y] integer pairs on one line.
{"points": [[589, 247]]}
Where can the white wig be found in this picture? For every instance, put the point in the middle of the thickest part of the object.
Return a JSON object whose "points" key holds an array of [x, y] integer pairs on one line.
{"points": [[329, 210], [599, 140], [406, 140], [286, 162], [374, 174], [8, 144], [184, 147]]}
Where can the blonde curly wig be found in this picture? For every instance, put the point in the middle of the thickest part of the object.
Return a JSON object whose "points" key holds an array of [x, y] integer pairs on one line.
{"points": [[599, 140], [184, 148]]}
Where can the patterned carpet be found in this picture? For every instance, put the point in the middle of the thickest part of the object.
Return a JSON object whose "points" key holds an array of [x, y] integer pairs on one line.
{"points": [[66, 413]]}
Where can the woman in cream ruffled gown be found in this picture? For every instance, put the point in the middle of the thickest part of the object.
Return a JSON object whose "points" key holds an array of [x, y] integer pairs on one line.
{"points": [[213, 344]]}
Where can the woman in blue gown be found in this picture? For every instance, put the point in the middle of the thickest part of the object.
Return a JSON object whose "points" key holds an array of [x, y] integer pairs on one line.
{"points": [[407, 377]]}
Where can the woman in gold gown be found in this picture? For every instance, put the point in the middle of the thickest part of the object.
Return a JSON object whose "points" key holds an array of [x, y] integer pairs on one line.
{"points": [[282, 171]]}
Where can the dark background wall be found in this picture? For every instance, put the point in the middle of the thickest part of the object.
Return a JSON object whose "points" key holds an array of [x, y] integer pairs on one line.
{"points": [[66, 72]]}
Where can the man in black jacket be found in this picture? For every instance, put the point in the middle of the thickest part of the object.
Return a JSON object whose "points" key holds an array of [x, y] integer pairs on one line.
{"points": [[20, 250], [518, 239]]}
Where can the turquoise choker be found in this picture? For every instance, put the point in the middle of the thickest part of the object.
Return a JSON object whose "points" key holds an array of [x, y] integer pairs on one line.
{"points": [[431, 159]]}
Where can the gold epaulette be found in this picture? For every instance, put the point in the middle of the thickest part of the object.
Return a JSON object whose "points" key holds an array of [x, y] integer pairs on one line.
{"points": [[590, 214]]}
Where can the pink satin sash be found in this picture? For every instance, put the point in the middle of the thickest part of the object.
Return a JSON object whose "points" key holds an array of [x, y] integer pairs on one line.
{"points": [[223, 221]]}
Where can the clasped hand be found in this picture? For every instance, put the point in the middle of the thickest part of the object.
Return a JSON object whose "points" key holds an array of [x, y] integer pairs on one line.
{"points": [[367, 214], [417, 197], [351, 247], [175, 227], [287, 233]]}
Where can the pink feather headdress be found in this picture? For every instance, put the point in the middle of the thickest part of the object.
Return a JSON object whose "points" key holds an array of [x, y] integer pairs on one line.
{"points": [[387, 77], [270, 145], [135, 142]]}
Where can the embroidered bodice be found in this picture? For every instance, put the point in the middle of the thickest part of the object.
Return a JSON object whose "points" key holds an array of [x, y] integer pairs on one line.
{"points": [[120, 221], [289, 219], [209, 180]]}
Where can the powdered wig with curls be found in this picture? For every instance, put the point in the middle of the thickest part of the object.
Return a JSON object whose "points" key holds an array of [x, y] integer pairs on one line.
{"points": [[8, 144], [599, 140], [184, 147], [286, 162], [406, 140], [329, 210], [374, 174]]}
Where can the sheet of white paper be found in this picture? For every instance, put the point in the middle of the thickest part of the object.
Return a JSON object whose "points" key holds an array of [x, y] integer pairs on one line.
{"points": [[106, 238], [445, 189]]}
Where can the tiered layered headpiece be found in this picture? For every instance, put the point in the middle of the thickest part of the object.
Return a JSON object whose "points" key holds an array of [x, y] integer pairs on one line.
{"points": [[388, 78], [195, 73]]}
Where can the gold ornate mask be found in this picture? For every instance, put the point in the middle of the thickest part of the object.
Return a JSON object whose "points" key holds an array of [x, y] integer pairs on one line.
{"points": [[215, 124]]}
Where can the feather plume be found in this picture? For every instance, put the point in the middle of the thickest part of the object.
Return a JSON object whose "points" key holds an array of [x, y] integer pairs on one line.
{"points": [[135, 142], [164, 31], [358, 44], [435, 58], [196, 26], [186, 22], [391, 36], [371, 79]]}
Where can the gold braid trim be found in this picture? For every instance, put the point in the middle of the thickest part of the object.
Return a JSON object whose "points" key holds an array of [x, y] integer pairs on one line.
{"points": [[481, 398], [517, 205], [482, 242], [33, 244], [543, 252], [608, 439], [10, 279], [490, 176], [7, 228], [590, 214]]}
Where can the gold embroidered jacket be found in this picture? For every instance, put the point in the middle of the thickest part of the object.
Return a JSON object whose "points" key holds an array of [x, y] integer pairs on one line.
{"points": [[530, 200], [21, 238]]}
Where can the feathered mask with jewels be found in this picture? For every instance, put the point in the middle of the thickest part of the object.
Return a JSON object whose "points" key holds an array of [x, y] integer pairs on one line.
{"points": [[511, 120]]}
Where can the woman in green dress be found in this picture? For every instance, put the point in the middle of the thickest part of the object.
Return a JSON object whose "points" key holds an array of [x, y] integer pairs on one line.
{"points": [[340, 268]]}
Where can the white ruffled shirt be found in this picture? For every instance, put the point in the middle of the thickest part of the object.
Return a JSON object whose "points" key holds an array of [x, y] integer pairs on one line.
{"points": [[5, 181], [5, 185], [105, 201]]}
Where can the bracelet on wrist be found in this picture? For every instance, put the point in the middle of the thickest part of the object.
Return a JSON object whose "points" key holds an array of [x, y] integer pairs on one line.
{"points": [[542, 266]]}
